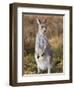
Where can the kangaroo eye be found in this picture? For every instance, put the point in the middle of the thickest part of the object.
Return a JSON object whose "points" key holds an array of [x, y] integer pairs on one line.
{"points": [[42, 26]]}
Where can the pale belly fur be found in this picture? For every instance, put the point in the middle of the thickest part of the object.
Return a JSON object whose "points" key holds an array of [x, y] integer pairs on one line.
{"points": [[43, 62]]}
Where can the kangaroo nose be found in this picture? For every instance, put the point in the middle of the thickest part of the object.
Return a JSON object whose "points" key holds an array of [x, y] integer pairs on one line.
{"points": [[44, 30]]}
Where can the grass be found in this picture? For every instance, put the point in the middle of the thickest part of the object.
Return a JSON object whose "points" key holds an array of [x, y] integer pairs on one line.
{"points": [[31, 67], [30, 64]]}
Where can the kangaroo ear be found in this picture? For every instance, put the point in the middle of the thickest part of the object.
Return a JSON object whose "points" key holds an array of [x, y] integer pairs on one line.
{"points": [[38, 21], [45, 20]]}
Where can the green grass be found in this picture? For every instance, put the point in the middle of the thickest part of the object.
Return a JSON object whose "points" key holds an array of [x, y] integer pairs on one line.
{"points": [[31, 67], [58, 60], [30, 64]]}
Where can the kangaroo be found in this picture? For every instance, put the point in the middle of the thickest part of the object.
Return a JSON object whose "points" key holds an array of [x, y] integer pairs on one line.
{"points": [[43, 53]]}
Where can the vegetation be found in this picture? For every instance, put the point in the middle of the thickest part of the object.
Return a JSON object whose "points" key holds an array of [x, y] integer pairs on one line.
{"points": [[55, 38]]}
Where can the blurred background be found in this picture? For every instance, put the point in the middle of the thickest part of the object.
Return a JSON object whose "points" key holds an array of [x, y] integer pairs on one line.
{"points": [[55, 38]]}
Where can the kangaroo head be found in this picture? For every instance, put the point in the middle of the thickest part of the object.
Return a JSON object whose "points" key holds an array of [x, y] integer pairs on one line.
{"points": [[42, 26]]}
